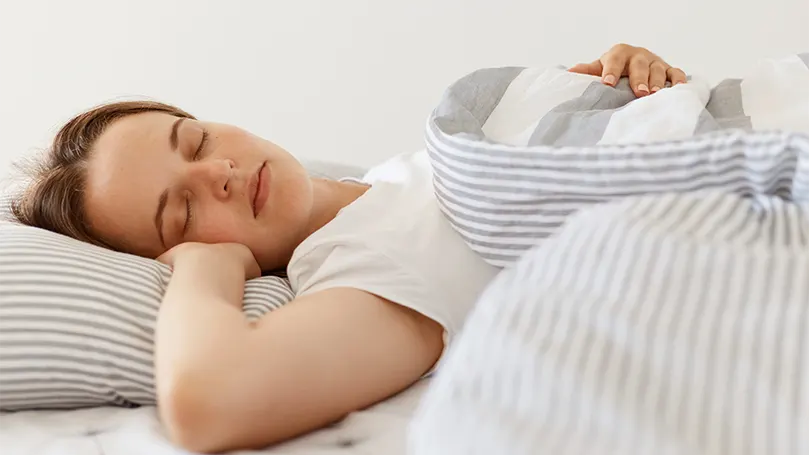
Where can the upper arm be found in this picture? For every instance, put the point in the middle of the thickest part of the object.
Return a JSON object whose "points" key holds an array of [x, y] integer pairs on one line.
{"points": [[313, 361]]}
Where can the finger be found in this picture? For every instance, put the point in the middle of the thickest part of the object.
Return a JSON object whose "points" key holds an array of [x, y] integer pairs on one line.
{"points": [[639, 76], [657, 76], [166, 258], [593, 69], [676, 76], [614, 65]]}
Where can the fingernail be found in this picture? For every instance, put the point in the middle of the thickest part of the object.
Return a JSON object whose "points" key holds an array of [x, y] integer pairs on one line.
{"points": [[643, 88], [609, 79], [655, 88]]}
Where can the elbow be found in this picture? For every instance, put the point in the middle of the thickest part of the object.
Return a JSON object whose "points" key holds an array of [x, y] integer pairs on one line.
{"points": [[187, 413]]}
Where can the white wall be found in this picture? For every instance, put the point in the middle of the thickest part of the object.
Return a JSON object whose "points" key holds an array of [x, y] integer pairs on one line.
{"points": [[348, 80]]}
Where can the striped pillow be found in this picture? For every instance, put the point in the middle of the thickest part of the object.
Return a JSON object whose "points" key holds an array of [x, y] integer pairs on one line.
{"points": [[5, 205], [77, 321]]}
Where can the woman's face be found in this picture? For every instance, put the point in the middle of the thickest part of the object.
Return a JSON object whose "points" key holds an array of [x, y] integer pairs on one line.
{"points": [[155, 181]]}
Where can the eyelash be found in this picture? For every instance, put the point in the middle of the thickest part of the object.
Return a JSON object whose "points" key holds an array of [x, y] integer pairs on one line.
{"points": [[202, 143], [189, 214]]}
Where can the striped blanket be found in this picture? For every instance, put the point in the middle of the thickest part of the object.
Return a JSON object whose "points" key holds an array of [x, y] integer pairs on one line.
{"points": [[517, 150], [657, 294]]}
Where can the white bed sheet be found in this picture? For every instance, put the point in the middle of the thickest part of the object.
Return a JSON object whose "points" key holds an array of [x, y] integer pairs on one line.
{"points": [[380, 429]]}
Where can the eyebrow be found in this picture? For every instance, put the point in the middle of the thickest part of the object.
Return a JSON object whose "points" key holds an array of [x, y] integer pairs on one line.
{"points": [[158, 218], [173, 140]]}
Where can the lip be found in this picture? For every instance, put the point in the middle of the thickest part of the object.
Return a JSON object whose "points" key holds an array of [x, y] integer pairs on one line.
{"points": [[260, 190]]}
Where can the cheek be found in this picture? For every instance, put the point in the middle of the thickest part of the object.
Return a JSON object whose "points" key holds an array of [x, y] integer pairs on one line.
{"points": [[221, 227]]}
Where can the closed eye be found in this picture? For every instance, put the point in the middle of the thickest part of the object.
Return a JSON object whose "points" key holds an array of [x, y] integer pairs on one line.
{"points": [[202, 143], [189, 215]]}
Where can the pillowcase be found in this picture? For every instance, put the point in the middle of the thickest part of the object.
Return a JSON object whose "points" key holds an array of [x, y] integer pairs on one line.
{"points": [[77, 321], [5, 208]]}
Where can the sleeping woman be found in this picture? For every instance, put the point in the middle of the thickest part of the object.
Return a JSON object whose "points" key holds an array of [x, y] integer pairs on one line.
{"points": [[382, 281]]}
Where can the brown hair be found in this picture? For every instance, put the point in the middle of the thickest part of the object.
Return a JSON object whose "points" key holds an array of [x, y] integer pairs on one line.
{"points": [[54, 200]]}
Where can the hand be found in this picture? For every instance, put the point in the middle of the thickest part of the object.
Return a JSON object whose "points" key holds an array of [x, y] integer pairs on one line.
{"points": [[647, 72], [223, 254]]}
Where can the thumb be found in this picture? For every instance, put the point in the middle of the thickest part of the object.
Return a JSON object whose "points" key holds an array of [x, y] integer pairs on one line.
{"points": [[593, 69]]}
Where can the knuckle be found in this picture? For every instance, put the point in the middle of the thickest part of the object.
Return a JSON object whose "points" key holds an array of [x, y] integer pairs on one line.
{"points": [[610, 65], [621, 47], [640, 60]]}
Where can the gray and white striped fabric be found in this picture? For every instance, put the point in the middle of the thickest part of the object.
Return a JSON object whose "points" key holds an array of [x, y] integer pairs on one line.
{"points": [[515, 151], [668, 324], [77, 321], [5, 207]]}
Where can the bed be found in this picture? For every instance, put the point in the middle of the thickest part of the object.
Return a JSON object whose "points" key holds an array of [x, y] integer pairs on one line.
{"points": [[380, 429], [492, 394]]}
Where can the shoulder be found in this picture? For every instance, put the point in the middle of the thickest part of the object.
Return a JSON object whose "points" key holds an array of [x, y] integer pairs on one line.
{"points": [[391, 212], [355, 264], [394, 242]]}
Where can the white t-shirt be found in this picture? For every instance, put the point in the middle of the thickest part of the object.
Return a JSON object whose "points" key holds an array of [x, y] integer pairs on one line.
{"points": [[394, 242]]}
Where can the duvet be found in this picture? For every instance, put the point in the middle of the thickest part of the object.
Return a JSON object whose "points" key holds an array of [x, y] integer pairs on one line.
{"points": [[655, 291]]}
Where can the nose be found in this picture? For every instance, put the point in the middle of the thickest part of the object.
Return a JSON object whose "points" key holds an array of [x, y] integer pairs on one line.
{"points": [[214, 175]]}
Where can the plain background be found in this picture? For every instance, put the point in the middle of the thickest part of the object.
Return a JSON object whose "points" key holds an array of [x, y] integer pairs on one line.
{"points": [[350, 81]]}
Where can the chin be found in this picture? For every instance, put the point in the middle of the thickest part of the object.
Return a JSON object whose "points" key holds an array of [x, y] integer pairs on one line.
{"points": [[267, 262]]}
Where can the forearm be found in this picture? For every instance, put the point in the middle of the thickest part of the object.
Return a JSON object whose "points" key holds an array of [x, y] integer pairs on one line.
{"points": [[199, 330], [199, 317]]}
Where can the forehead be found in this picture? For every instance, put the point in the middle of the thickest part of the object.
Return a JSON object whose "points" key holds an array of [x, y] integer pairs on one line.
{"points": [[135, 131], [126, 173]]}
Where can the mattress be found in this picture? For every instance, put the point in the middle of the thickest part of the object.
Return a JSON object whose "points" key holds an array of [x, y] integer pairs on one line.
{"points": [[380, 429]]}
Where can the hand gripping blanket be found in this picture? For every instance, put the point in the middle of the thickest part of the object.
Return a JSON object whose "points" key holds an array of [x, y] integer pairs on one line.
{"points": [[656, 299]]}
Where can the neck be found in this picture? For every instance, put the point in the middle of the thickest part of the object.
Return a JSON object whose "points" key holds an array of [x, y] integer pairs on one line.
{"points": [[331, 196]]}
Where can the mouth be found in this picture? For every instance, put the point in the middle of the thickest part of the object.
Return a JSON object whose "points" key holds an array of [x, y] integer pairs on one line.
{"points": [[260, 189]]}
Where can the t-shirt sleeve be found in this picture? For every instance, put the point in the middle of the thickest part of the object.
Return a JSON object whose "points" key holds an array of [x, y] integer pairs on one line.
{"points": [[361, 267]]}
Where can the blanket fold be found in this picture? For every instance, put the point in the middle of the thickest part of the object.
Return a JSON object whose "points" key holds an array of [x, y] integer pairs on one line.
{"points": [[517, 150]]}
